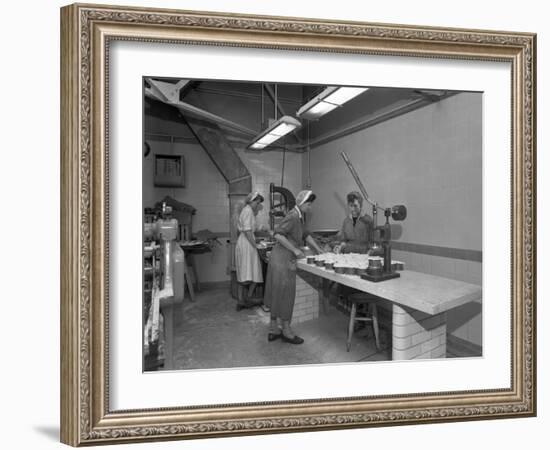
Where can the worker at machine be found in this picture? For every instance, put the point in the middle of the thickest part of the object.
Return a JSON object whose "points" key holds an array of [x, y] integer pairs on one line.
{"points": [[356, 234], [280, 289], [247, 260]]}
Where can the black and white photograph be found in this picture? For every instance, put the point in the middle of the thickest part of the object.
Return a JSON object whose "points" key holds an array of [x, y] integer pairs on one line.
{"points": [[275, 225], [304, 224]]}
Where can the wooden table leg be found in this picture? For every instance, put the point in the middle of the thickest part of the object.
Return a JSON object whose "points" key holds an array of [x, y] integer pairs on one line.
{"points": [[189, 282], [373, 310], [194, 268], [167, 308], [324, 292], [351, 325]]}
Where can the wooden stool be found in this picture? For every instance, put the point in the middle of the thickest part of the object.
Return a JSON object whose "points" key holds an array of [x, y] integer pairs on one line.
{"points": [[362, 298]]}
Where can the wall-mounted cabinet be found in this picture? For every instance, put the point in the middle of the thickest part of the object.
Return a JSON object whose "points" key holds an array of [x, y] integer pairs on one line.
{"points": [[169, 170]]}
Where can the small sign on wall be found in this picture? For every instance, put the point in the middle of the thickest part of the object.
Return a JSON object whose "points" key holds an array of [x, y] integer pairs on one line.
{"points": [[169, 170]]}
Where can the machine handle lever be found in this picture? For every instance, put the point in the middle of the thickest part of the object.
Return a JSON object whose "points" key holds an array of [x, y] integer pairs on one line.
{"points": [[358, 181]]}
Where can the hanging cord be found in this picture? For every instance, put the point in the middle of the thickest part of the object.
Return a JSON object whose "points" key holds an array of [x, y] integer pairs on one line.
{"points": [[262, 101], [283, 170], [284, 147], [308, 183]]}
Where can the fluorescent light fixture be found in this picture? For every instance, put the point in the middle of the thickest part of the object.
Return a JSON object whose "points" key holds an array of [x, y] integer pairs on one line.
{"points": [[331, 98], [277, 130], [320, 109]]}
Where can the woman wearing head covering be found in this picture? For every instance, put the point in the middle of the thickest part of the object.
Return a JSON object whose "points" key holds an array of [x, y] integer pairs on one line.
{"points": [[280, 288], [247, 260]]}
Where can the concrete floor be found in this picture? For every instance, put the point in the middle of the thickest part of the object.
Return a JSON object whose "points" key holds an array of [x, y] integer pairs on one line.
{"points": [[210, 333]]}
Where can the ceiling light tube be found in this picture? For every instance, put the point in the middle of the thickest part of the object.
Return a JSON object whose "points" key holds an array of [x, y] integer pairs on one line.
{"points": [[277, 130], [331, 98]]}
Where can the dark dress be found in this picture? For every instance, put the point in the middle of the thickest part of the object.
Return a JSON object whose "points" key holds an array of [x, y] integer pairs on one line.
{"points": [[280, 285]]}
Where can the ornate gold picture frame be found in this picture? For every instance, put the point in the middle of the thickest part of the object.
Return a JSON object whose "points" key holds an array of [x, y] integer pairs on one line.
{"points": [[87, 31]]}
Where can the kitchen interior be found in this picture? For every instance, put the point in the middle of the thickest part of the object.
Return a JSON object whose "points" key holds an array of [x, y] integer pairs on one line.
{"points": [[414, 154]]}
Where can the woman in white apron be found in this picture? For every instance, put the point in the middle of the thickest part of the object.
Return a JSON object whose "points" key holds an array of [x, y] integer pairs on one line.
{"points": [[247, 260]]}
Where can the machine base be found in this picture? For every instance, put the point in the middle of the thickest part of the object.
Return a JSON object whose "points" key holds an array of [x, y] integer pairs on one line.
{"points": [[381, 277]]}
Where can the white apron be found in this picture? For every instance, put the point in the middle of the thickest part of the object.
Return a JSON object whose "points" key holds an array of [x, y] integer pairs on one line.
{"points": [[247, 260]]}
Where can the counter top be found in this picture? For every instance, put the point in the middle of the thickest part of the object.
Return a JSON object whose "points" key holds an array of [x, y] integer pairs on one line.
{"points": [[427, 293]]}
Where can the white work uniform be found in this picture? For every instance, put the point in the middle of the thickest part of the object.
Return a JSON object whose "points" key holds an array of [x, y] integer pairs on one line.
{"points": [[247, 260]]}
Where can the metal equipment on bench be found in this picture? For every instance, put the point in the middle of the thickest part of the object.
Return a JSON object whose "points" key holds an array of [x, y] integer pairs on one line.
{"points": [[382, 233]]}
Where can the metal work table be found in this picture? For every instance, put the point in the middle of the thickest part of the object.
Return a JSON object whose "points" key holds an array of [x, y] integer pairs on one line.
{"points": [[419, 304]]}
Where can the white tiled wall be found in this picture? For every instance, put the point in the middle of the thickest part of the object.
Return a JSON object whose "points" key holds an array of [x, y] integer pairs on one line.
{"points": [[266, 167], [464, 322], [206, 190], [306, 303], [458, 269]]}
